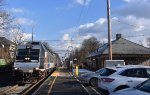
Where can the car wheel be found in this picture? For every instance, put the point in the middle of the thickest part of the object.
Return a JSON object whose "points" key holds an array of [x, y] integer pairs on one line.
{"points": [[94, 82]]}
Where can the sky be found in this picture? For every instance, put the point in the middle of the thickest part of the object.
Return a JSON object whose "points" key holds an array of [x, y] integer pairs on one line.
{"points": [[59, 21]]}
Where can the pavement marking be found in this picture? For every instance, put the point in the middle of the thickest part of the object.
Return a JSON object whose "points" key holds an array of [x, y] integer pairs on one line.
{"points": [[50, 82], [52, 85], [96, 91], [80, 83], [83, 86]]}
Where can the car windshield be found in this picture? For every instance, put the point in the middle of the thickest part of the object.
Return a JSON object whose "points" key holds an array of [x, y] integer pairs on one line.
{"points": [[148, 72], [99, 71], [144, 86], [107, 72]]}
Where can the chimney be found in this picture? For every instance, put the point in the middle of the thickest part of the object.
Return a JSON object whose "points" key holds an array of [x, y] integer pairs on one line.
{"points": [[118, 36]]}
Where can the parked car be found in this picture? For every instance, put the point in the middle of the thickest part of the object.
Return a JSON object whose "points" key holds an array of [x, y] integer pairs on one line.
{"points": [[142, 89], [125, 77], [92, 78]]}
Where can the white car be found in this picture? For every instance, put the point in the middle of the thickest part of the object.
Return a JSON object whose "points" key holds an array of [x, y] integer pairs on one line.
{"points": [[91, 77], [142, 89], [125, 77]]}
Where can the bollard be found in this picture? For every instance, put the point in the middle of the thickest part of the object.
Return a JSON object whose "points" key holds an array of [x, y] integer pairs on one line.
{"points": [[77, 70]]}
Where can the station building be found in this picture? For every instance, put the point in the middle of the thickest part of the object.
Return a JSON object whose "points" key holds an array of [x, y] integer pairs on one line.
{"points": [[122, 49]]}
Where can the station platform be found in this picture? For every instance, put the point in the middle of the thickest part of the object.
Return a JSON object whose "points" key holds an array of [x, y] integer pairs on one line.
{"points": [[62, 82]]}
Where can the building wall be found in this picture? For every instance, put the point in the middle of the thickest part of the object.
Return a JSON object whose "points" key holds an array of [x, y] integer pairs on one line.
{"points": [[129, 60]]}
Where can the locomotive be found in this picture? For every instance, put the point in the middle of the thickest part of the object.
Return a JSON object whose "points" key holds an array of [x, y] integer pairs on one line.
{"points": [[34, 60]]}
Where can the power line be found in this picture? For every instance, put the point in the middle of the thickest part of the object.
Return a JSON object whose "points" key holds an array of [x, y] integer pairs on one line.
{"points": [[89, 7], [80, 15], [132, 26], [137, 36], [129, 24]]}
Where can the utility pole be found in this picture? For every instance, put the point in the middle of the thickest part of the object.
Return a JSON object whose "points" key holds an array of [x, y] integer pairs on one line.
{"points": [[109, 30]]}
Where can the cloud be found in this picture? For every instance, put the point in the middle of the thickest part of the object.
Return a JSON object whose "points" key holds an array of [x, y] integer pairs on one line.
{"points": [[17, 10], [130, 27], [24, 21], [127, 0], [138, 8], [66, 37], [131, 20], [82, 2]]}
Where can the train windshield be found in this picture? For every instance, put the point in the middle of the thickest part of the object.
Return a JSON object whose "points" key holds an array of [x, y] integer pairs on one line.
{"points": [[28, 55]]}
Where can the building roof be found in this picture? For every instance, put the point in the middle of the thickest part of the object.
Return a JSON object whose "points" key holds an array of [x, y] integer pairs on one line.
{"points": [[121, 46], [5, 41]]}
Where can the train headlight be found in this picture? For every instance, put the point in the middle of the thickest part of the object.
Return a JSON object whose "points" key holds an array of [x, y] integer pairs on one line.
{"points": [[36, 68], [16, 68], [27, 58]]}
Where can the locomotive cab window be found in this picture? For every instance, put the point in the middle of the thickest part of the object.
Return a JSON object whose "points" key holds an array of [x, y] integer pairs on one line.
{"points": [[28, 54]]}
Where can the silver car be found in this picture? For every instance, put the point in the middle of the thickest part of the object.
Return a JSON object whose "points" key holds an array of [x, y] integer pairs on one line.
{"points": [[142, 89], [91, 78]]}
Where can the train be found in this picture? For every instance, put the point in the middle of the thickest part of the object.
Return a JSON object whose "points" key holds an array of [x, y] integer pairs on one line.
{"points": [[34, 60]]}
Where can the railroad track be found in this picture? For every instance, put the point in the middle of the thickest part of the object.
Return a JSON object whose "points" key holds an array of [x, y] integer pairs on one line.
{"points": [[15, 90], [33, 88], [4, 90], [26, 89]]}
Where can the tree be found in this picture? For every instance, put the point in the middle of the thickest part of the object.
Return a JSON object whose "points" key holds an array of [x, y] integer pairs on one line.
{"points": [[8, 28], [5, 19], [17, 35], [88, 45]]}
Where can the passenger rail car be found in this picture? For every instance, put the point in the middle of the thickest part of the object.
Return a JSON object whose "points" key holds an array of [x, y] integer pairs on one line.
{"points": [[33, 60]]}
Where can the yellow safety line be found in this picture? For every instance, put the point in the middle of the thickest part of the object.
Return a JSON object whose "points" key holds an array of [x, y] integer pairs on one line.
{"points": [[52, 84], [55, 74]]}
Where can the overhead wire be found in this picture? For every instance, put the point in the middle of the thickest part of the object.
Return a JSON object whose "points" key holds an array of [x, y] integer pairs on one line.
{"points": [[89, 7], [132, 26]]}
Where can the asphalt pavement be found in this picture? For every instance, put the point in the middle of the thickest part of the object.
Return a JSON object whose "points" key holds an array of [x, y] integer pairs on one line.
{"points": [[62, 82]]}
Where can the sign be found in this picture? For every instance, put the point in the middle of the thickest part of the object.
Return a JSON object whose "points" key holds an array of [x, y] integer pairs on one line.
{"points": [[2, 62]]}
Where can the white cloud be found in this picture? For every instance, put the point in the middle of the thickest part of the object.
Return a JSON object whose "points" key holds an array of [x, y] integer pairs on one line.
{"points": [[138, 8], [127, 0], [128, 26], [17, 10], [131, 20], [24, 21], [82, 2], [66, 37]]}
